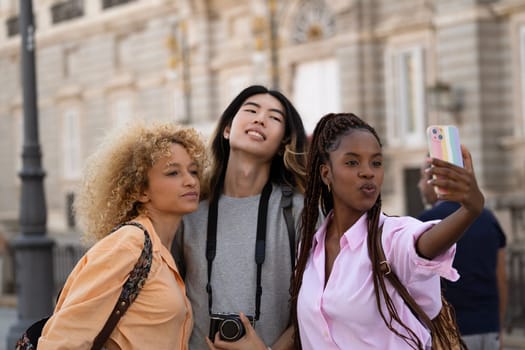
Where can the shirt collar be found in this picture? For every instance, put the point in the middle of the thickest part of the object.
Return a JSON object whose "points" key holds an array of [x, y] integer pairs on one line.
{"points": [[357, 233], [320, 234], [354, 236], [157, 245], [148, 225]]}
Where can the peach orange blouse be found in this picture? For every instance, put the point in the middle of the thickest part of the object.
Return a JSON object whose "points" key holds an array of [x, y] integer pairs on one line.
{"points": [[160, 317]]}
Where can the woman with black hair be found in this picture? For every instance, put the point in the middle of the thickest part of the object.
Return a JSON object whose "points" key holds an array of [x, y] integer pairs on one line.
{"points": [[236, 248]]}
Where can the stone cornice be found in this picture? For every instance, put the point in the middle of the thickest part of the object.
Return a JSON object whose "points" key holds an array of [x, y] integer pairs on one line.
{"points": [[68, 92], [232, 59], [124, 19], [509, 7], [512, 142], [397, 25], [475, 14], [121, 81]]}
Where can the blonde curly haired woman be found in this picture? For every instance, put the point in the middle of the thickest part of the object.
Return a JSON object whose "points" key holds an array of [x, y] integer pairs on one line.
{"points": [[149, 175]]}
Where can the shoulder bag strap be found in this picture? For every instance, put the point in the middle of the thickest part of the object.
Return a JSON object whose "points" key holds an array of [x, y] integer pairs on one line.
{"points": [[130, 290], [401, 289], [286, 204]]}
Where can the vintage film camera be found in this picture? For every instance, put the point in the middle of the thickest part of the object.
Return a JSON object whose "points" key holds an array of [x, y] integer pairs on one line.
{"points": [[229, 326]]}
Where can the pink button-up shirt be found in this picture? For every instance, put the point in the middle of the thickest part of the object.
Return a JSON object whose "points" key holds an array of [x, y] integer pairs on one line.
{"points": [[344, 313]]}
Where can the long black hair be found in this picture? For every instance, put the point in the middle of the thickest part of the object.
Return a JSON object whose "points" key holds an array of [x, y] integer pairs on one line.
{"points": [[288, 164], [326, 138]]}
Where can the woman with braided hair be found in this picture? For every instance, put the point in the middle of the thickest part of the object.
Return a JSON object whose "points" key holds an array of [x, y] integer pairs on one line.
{"points": [[339, 297]]}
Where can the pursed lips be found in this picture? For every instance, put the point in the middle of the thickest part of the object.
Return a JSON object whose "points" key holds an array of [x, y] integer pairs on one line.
{"points": [[368, 188]]}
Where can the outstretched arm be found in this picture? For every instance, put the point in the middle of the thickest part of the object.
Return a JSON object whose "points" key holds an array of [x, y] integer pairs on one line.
{"points": [[461, 186]]}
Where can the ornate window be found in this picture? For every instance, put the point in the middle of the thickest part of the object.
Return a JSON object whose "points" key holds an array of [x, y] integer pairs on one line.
{"points": [[314, 21], [122, 110], [405, 95], [71, 143], [110, 3], [13, 26], [67, 10], [316, 90]]}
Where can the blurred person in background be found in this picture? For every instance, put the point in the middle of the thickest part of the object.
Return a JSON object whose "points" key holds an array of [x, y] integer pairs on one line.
{"points": [[479, 297]]}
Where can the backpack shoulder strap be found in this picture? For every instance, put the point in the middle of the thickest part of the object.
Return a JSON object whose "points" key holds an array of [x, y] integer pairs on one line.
{"points": [[287, 204], [130, 290]]}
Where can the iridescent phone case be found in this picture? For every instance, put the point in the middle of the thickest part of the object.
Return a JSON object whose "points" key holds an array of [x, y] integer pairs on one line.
{"points": [[443, 143]]}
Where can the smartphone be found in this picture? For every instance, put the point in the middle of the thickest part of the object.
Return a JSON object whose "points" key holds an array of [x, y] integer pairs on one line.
{"points": [[443, 143]]}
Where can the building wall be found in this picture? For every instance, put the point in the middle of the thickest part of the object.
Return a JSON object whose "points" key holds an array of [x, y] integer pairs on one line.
{"points": [[185, 60]]}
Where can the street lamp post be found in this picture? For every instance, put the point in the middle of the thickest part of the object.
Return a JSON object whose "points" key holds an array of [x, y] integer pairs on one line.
{"points": [[33, 249]]}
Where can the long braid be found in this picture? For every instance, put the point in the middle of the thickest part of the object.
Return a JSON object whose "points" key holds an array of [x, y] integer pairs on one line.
{"points": [[379, 281], [326, 138], [309, 219]]}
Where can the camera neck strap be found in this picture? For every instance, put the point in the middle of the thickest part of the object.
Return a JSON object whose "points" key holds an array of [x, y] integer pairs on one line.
{"points": [[260, 244]]}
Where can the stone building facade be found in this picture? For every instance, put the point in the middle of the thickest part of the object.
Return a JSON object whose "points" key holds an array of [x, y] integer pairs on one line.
{"points": [[401, 65]]}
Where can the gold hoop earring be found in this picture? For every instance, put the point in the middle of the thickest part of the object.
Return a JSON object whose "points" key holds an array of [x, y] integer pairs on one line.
{"points": [[329, 188]]}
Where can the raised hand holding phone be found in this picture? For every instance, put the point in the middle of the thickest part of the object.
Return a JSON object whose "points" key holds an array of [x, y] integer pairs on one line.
{"points": [[453, 181]]}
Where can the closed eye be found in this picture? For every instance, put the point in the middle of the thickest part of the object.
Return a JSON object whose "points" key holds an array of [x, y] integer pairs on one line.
{"points": [[276, 118]]}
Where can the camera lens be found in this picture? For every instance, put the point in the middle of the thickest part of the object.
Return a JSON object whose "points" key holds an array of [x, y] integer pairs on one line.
{"points": [[231, 329]]}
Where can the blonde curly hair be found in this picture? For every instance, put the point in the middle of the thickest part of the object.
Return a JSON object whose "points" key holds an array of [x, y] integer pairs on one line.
{"points": [[116, 174]]}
